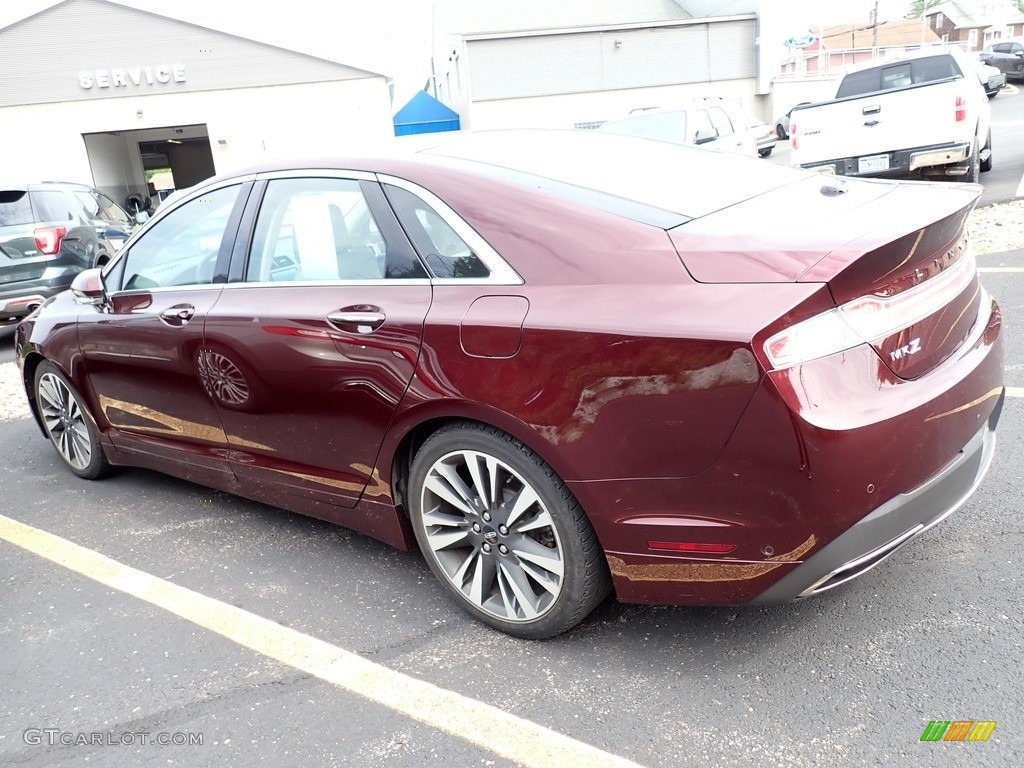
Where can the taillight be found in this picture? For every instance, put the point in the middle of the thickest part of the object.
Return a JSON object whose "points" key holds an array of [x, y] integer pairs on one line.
{"points": [[868, 318], [961, 108], [793, 142], [48, 239]]}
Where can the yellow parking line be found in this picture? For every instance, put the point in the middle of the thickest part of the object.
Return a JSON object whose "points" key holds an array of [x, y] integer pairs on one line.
{"points": [[485, 726]]}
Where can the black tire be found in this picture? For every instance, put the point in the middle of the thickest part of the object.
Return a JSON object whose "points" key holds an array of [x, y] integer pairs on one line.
{"points": [[550, 533], [765, 152], [68, 423], [973, 164], [781, 132], [986, 165]]}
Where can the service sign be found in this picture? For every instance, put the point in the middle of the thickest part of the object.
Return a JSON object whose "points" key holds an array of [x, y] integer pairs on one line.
{"points": [[131, 77]]}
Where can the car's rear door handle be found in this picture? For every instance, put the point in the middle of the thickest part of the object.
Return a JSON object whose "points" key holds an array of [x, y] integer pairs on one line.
{"points": [[361, 319], [872, 109], [178, 315]]}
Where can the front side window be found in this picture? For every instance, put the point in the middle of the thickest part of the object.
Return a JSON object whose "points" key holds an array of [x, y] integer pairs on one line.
{"points": [[445, 252], [721, 121], [701, 123], [322, 229], [181, 248]]}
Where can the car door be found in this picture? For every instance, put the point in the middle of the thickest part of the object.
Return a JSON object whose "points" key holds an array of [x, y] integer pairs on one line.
{"points": [[142, 350], [730, 138], [316, 337]]}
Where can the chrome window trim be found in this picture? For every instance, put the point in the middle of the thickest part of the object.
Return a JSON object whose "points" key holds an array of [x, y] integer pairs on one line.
{"points": [[316, 173], [501, 271], [162, 212], [169, 289], [329, 283]]}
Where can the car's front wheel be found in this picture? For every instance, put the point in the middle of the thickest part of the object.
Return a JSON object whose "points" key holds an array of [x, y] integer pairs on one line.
{"points": [[68, 423], [503, 533]]}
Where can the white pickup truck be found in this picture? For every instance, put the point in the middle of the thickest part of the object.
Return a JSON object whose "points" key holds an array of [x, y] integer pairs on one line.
{"points": [[926, 114]]}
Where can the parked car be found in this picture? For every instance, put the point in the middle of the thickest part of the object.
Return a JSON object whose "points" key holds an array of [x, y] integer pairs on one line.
{"points": [[710, 123], [49, 232], [991, 78], [1007, 56], [555, 361], [764, 135], [782, 123], [924, 114]]}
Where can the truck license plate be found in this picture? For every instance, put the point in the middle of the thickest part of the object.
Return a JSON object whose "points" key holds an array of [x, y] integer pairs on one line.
{"points": [[873, 164]]}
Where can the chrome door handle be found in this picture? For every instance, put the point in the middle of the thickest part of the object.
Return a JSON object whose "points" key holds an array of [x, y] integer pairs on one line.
{"points": [[357, 321], [178, 315]]}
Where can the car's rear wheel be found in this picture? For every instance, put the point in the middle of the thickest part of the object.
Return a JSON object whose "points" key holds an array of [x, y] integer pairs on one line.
{"points": [[68, 423], [765, 152], [780, 131], [503, 533]]}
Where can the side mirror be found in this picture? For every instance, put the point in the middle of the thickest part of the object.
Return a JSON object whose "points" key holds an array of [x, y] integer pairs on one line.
{"points": [[87, 287], [704, 136], [141, 217]]}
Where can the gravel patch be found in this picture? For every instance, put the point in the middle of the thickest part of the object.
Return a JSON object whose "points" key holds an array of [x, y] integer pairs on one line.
{"points": [[13, 404], [998, 227]]}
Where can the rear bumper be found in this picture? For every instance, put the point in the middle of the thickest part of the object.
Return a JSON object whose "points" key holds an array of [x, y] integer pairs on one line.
{"points": [[900, 162], [893, 525], [18, 303]]}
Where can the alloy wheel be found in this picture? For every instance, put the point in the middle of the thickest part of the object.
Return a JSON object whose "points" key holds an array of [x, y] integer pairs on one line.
{"points": [[492, 536], [65, 421]]}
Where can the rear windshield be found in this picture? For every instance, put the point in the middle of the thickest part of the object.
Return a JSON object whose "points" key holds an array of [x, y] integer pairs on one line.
{"points": [[664, 126], [14, 208], [899, 74], [682, 179]]}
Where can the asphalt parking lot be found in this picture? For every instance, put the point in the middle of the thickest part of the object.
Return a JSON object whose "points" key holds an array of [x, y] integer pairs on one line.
{"points": [[143, 609]]}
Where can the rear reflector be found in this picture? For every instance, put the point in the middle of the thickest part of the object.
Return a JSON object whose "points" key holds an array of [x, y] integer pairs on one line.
{"points": [[691, 546], [48, 239], [868, 318]]}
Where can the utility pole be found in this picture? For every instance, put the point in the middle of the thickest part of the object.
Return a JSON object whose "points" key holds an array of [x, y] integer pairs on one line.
{"points": [[874, 26]]}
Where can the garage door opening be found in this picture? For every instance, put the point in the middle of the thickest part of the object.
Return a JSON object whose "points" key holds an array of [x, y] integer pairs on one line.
{"points": [[140, 168]]}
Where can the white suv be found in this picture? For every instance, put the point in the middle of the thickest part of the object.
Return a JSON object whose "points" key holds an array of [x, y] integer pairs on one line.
{"points": [[709, 123]]}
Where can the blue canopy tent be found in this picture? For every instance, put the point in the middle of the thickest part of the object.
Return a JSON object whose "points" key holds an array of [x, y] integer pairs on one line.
{"points": [[425, 114]]}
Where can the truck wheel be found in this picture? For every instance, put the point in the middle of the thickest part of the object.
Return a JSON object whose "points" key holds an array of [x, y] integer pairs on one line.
{"points": [[986, 164], [973, 164]]}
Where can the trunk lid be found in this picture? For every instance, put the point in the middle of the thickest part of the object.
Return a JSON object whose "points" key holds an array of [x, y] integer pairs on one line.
{"points": [[893, 255], [20, 260]]}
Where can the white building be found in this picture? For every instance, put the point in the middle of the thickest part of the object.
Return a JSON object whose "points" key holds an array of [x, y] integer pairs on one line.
{"points": [[118, 91], [579, 62]]}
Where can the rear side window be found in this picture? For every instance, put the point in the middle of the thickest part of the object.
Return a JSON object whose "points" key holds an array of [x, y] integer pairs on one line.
{"points": [[52, 205], [14, 208], [447, 255]]}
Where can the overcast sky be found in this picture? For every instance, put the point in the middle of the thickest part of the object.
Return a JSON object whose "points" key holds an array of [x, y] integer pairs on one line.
{"points": [[393, 36]]}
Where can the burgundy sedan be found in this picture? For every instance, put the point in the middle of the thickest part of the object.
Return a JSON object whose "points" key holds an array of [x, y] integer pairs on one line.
{"points": [[558, 363]]}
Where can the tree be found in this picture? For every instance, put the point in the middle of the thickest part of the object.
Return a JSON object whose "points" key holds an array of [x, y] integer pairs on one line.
{"points": [[918, 7]]}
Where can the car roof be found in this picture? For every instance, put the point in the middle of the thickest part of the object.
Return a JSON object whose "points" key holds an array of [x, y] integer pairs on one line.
{"points": [[655, 182]]}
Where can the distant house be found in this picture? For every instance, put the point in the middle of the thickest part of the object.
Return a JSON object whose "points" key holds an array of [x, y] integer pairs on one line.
{"points": [[842, 46], [975, 24]]}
